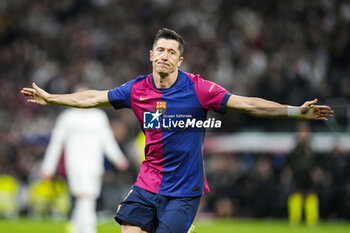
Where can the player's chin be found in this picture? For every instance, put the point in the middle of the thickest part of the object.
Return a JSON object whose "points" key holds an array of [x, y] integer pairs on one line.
{"points": [[163, 71], [163, 74]]}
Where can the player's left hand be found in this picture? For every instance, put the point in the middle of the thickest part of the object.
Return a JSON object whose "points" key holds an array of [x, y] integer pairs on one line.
{"points": [[311, 111]]}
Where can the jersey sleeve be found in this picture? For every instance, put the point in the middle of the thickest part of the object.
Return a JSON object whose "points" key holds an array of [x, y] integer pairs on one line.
{"points": [[211, 96], [119, 97]]}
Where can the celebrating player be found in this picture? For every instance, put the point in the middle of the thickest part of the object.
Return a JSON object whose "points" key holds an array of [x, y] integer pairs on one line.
{"points": [[171, 181]]}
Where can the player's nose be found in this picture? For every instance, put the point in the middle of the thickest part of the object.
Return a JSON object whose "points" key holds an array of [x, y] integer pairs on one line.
{"points": [[164, 56]]}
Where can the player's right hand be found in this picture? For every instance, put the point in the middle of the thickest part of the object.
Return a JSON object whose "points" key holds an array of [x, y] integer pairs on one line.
{"points": [[36, 95]]}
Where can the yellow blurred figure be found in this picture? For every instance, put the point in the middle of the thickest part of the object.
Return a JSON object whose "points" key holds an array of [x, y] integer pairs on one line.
{"points": [[41, 195], [140, 143], [8, 194], [295, 208], [310, 205], [311, 209], [48, 197], [61, 204]]}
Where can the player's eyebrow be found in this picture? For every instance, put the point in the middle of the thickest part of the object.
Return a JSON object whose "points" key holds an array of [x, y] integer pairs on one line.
{"points": [[170, 49]]}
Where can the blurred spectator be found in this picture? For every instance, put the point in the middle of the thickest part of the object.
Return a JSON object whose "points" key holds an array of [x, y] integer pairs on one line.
{"points": [[336, 168], [303, 162], [303, 159], [86, 136]]}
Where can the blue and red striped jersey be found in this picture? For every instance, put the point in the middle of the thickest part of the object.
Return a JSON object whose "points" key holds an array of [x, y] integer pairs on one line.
{"points": [[173, 164]]}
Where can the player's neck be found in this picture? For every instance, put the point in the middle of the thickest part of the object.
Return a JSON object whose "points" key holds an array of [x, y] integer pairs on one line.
{"points": [[164, 80]]}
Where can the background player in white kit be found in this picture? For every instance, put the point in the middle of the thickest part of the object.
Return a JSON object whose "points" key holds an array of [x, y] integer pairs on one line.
{"points": [[86, 136]]}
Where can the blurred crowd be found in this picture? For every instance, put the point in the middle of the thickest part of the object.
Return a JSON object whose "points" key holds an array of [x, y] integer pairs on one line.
{"points": [[286, 51], [262, 184]]}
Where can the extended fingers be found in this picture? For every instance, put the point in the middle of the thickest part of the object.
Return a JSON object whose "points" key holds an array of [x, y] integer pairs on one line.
{"points": [[323, 112], [323, 118], [35, 95], [29, 92], [322, 109], [37, 101], [327, 112], [35, 87], [32, 101]]}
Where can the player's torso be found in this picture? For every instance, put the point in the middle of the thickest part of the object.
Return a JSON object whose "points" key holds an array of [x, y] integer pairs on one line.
{"points": [[173, 148]]}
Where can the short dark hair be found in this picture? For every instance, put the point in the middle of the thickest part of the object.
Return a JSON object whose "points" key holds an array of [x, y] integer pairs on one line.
{"points": [[170, 35]]}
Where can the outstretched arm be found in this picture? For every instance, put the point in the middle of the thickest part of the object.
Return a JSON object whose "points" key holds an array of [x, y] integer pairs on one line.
{"points": [[84, 99], [264, 108]]}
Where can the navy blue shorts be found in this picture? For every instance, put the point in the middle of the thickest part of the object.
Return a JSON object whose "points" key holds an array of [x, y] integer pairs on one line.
{"points": [[155, 213]]}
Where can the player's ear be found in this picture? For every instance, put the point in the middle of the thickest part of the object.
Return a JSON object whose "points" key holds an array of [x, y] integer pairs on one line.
{"points": [[180, 61], [151, 55]]}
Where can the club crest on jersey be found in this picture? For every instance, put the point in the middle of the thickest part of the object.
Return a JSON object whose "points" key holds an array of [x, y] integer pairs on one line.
{"points": [[161, 106]]}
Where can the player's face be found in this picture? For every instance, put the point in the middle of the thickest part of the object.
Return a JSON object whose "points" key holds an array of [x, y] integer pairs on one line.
{"points": [[165, 56]]}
